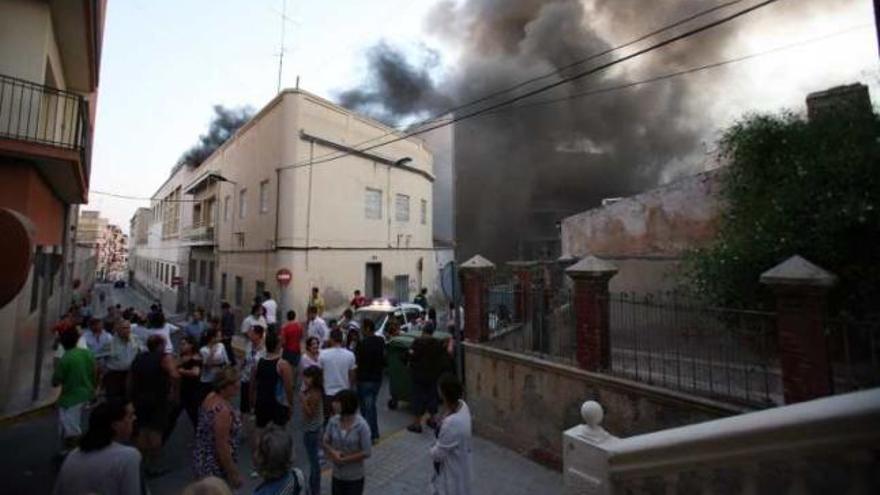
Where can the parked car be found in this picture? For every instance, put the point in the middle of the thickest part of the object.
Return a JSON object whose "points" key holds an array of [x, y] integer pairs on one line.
{"points": [[381, 311], [119, 284]]}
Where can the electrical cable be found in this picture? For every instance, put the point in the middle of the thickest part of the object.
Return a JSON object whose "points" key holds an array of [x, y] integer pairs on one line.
{"points": [[547, 87], [442, 114]]}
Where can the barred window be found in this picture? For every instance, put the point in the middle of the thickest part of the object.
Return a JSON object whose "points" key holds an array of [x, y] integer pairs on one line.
{"points": [[401, 208], [373, 204]]}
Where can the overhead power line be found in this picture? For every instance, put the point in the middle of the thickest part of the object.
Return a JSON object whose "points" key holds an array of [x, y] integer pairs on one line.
{"points": [[441, 115], [683, 72], [142, 198], [547, 87], [605, 89]]}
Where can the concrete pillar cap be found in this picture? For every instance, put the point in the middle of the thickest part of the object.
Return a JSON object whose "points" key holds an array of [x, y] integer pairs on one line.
{"points": [[592, 431], [476, 263], [591, 266], [797, 271], [592, 413]]}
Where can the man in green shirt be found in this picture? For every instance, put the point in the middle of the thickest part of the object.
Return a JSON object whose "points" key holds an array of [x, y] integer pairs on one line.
{"points": [[76, 373]]}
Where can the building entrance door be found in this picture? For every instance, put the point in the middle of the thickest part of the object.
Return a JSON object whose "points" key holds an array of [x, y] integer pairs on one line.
{"points": [[401, 288], [373, 281]]}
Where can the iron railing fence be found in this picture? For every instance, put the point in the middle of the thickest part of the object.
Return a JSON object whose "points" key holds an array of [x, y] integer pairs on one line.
{"points": [[673, 341], [854, 353], [547, 331], [501, 305], [40, 114], [670, 341]]}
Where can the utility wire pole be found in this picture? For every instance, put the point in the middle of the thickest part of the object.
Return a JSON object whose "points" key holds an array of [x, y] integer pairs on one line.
{"points": [[281, 48]]}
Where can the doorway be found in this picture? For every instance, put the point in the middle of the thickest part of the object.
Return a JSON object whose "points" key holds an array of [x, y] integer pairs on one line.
{"points": [[373, 281], [401, 288]]}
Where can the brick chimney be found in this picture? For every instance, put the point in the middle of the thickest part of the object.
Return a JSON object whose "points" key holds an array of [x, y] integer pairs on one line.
{"points": [[851, 98]]}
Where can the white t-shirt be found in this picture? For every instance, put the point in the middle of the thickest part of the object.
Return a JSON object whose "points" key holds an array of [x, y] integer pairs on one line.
{"points": [[213, 360], [318, 328], [165, 332], [250, 321], [336, 363], [271, 308]]}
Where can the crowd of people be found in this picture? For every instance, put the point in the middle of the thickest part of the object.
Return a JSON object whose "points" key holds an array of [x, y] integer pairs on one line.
{"points": [[135, 380]]}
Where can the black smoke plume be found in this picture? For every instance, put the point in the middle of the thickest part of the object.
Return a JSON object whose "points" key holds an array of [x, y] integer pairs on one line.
{"points": [[396, 88], [521, 170], [223, 125]]}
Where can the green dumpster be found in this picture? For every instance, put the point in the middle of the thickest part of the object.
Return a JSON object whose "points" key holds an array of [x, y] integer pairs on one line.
{"points": [[399, 382]]}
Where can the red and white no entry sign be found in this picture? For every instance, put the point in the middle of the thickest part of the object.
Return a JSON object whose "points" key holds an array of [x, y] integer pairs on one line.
{"points": [[283, 277]]}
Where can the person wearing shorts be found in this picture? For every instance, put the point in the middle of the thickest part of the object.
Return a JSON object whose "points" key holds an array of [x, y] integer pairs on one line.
{"points": [[76, 373]]}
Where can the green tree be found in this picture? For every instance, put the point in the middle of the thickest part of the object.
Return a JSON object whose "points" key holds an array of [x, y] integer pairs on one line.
{"points": [[794, 186]]}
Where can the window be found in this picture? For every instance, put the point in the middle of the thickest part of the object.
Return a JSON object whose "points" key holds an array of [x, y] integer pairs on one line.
{"points": [[226, 205], [424, 215], [239, 289], [222, 286], [264, 196], [173, 272], [211, 275], [259, 287], [242, 203], [401, 208], [203, 273], [192, 271], [373, 204]]}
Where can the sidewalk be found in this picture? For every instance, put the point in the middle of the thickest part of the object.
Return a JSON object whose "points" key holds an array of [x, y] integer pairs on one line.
{"points": [[400, 465]]}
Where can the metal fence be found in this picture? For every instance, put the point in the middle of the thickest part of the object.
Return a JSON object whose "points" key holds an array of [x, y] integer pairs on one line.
{"points": [[666, 340], [671, 341], [40, 114], [501, 306], [854, 352]]}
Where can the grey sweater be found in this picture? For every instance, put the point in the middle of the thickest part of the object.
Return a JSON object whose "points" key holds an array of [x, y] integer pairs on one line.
{"points": [[357, 439]]}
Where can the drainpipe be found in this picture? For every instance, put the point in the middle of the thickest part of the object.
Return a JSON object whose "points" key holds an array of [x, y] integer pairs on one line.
{"points": [[68, 245], [43, 273], [309, 203]]}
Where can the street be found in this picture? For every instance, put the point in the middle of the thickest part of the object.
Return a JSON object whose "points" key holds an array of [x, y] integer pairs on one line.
{"points": [[399, 464]]}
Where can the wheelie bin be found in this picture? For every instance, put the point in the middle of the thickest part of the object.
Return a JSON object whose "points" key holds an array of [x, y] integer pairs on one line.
{"points": [[399, 381]]}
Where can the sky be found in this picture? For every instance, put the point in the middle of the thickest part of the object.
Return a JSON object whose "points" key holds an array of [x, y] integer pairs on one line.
{"points": [[166, 63]]}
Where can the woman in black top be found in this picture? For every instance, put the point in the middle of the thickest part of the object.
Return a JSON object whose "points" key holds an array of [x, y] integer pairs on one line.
{"points": [[272, 386], [189, 365], [154, 390]]}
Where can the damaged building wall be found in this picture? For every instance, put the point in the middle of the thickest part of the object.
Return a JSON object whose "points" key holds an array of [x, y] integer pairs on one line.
{"points": [[646, 235]]}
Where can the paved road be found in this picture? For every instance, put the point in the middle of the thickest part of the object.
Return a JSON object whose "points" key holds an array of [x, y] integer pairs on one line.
{"points": [[399, 464]]}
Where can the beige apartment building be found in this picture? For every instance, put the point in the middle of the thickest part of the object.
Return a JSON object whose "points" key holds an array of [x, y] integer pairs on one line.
{"points": [[272, 198]]}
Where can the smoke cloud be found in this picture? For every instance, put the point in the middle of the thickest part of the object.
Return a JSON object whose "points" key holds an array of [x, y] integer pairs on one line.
{"points": [[520, 171], [396, 88], [223, 125]]}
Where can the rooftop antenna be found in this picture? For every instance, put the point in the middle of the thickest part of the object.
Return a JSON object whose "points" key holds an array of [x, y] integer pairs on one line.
{"points": [[281, 51]]}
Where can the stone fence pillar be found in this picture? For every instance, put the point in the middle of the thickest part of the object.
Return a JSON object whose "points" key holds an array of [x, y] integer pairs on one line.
{"points": [[475, 274], [801, 290], [591, 276], [585, 452], [523, 271]]}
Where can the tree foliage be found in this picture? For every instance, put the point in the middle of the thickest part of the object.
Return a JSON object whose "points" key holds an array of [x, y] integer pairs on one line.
{"points": [[794, 186], [223, 125]]}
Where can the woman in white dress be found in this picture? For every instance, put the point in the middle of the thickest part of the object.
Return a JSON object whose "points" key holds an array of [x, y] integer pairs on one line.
{"points": [[451, 452]]}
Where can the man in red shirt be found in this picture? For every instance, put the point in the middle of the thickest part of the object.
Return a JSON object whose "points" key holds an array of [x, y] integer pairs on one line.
{"points": [[291, 339], [358, 300]]}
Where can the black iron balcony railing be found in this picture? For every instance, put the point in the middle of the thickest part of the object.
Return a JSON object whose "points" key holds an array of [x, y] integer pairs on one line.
{"points": [[39, 114]]}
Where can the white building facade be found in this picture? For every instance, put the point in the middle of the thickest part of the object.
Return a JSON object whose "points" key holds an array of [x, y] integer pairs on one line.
{"points": [[290, 191]]}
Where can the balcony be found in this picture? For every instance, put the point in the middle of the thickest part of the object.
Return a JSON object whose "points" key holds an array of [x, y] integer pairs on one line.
{"points": [[199, 235], [49, 128]]}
